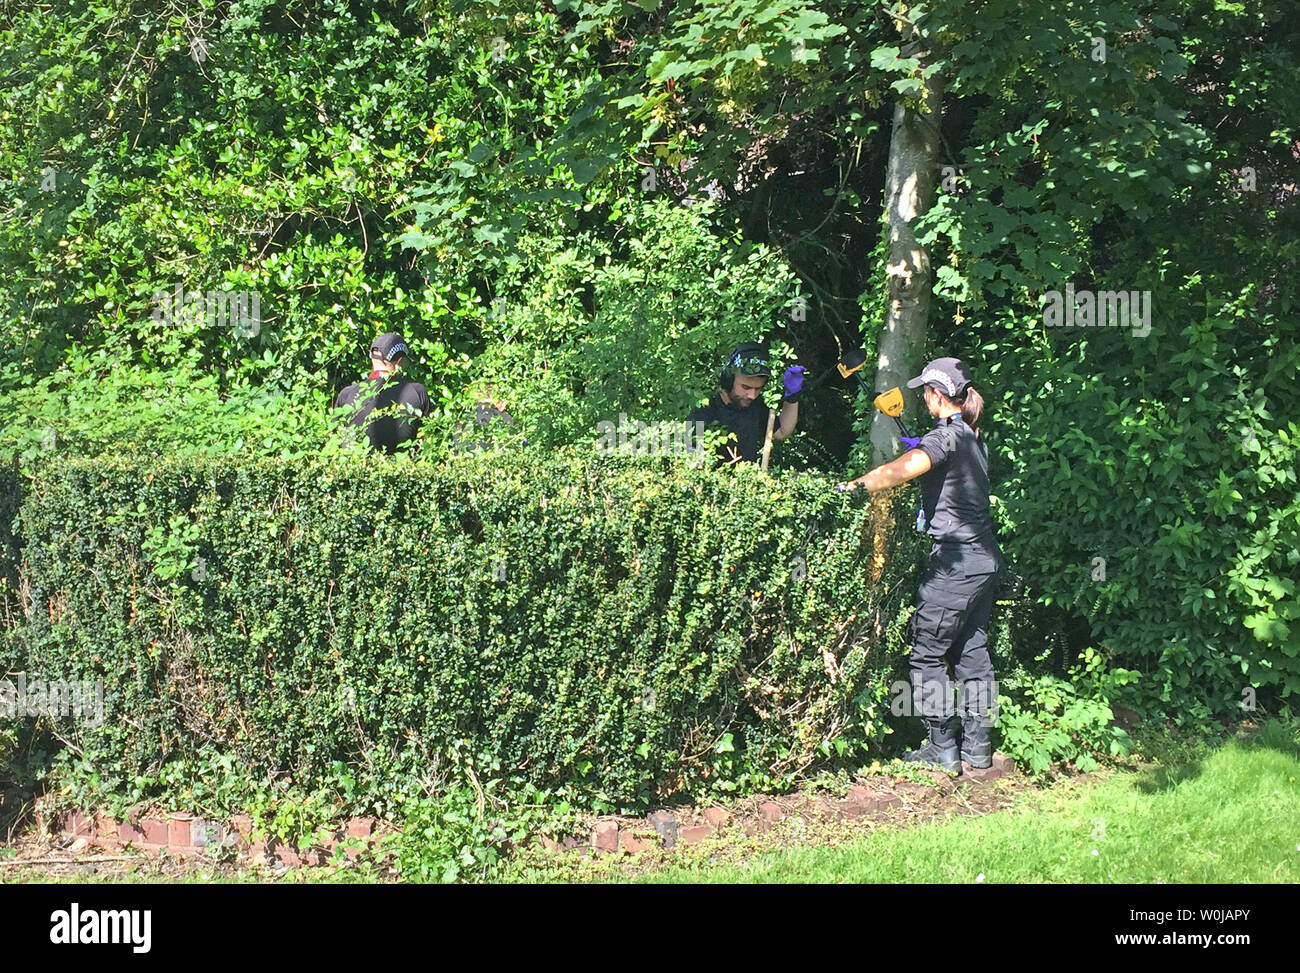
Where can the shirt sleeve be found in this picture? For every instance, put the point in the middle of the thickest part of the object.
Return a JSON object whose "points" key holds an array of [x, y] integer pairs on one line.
{"points": [[939, 444], [346, 397]]}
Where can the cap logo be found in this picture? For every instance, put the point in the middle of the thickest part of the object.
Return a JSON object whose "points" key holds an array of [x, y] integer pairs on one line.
{"points": [[938, 377]]}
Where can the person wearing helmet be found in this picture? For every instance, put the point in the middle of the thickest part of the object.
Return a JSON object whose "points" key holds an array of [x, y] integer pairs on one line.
{"points": [[955, 599], [739, 407]]}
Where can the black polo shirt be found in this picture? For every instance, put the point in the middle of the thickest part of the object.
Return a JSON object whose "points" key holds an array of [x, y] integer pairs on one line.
{"points": [[748, 426], [389, 429], [955, 490]]}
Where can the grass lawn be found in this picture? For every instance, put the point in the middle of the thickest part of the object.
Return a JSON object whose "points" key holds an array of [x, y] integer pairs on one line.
{"points": [[1228, 815]]}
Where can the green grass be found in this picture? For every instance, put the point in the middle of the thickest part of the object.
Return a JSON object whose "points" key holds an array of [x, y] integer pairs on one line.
{"points": [[1231, 815]]}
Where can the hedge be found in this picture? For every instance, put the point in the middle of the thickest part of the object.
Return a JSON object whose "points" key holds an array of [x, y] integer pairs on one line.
{"points": [[631, 629]]}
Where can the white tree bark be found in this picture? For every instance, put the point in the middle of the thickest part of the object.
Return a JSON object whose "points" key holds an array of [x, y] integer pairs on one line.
{"points": [[909, 192]]}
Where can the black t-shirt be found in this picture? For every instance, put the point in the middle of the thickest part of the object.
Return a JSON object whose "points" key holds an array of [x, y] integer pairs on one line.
{"points": [[955, 490], [389, 429], [748, 426]]}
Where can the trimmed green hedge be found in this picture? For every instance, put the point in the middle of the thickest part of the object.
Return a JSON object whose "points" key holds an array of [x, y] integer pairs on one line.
{"points": [[628, 629]]}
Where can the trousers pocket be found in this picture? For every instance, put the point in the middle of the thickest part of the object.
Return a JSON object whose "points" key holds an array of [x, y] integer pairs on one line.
{"points": [[979, 562], [933, 626]]}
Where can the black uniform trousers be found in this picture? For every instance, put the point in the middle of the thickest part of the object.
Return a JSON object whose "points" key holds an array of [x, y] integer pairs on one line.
{"points": [[953, 605]]}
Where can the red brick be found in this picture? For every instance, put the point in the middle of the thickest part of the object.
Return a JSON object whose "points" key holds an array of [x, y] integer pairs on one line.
{"points": [[549, 843], [716, 816], [74, 824], [106, 827], [695, 834], [132, 832], [315, 856], [756, 827], [155, 831], [361, 827], [604, 836], [178, 830], [863, 800], [770, 811], [241, 824], [632, 844], [276, 850]]}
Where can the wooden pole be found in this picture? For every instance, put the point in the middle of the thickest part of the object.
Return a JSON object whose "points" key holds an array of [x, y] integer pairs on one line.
{"points": [[767, 443]]}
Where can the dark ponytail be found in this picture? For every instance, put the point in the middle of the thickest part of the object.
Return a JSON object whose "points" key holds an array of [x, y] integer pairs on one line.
{"points": [[972, 407]]}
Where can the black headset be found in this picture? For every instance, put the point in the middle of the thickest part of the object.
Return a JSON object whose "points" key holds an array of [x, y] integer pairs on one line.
{"points": [[746, 353]]}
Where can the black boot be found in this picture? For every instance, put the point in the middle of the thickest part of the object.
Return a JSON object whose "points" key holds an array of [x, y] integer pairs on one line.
{"points": [[976, 747], [942, 749]]}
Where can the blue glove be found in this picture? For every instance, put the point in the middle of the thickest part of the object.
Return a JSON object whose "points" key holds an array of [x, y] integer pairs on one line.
{"points": [[911, 442], [794, 382]]}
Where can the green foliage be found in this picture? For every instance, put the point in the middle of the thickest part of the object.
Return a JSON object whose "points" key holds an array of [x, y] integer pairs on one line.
{"points": [[99, 404], [473, 175], [1063, 720], [1145, 484], [617, 632], [640, 329], [355, 168]]}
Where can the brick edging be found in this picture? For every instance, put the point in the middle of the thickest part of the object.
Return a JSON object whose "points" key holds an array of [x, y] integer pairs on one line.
{"points": [[187, 835]]}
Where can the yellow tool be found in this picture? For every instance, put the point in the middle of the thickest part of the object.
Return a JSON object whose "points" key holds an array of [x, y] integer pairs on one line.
{"points": [[851, 362], [891, 404]]}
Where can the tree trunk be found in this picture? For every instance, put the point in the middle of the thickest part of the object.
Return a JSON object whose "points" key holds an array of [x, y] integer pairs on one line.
{"points": [[909, 188]]}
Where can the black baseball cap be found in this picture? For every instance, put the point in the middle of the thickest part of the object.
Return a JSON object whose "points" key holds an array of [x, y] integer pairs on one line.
{"points": [[388, 346], [949, 375], [750, 358]]}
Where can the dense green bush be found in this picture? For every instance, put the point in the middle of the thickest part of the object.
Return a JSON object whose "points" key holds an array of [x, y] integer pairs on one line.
{"points": [[633, 630]]}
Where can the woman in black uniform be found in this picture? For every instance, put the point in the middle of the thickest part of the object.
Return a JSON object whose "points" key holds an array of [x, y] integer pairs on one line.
{"points": [[955, 598]]}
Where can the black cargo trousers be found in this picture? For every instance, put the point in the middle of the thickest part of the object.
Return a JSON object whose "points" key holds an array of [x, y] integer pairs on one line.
{"points": [[953, 605]]}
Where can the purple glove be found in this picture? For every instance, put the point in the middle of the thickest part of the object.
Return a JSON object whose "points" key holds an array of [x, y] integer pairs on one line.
{"points": [[911, 442], [794, 382]]}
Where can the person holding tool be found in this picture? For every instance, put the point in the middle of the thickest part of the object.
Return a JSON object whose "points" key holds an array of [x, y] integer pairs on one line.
{"points": [[955, 599], [739, 406], [391, 394]]}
